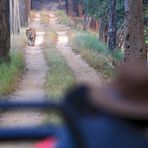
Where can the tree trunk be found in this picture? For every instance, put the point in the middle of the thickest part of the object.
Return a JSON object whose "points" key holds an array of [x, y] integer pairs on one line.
{"points": [[86, 22], [59, 1], [103, 29], [93, 24], [25, 6], [112, 25], [80, 10], [4, 30], [66, 6], [23, 19], [28, 8], [15, 16], [135, 49], [120, 37], [97, 25], [69, 7]]}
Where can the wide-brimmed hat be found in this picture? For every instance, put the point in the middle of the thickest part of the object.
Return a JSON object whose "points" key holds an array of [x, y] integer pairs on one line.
{"points": [[127, 94]]}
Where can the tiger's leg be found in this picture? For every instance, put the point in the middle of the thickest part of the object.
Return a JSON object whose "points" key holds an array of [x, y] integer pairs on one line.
{"points": [[33, 41], [29, 42]]}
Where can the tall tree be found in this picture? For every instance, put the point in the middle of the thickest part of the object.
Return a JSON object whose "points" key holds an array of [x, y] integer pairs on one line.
{"points": [[23, 17], [135, 49], [112, 25], [28, 9], [69, 4], [14, 16], [4, 30], [25, 6], [80, 10]]}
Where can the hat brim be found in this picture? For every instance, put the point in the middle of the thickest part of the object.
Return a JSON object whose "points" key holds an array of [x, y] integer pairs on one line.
{"points": [[110, 101]]}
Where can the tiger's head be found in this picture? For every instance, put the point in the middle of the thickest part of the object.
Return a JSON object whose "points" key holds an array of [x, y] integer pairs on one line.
{"points": [[29, 33]]}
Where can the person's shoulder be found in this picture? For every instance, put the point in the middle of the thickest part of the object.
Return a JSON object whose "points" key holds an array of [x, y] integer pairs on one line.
{"points": [[65, 139]]}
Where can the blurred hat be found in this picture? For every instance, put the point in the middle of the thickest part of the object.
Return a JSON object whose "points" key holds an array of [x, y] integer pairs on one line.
{"points": [[127, 94]]}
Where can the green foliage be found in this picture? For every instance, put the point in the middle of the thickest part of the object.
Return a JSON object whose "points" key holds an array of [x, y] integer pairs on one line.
{"points": [[86, 40], [95, 54], [117, 55], [9, 73], [63, 18], [59, 76], [99, 9], [120, 13]]}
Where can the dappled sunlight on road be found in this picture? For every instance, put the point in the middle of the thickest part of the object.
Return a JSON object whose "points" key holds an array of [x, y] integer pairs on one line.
{"points": [[37, 17], [81, 70], [39, 38], [62, 37], [51, 15]]}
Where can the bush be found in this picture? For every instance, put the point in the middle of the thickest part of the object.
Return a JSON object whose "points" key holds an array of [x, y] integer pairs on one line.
{"points": [[85, 40], [63, 18], [59, 77], [69, 22], [95, 53], [10, 73]]}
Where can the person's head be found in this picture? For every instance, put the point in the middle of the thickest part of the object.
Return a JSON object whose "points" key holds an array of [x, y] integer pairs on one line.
{"points": [[132, 81], [127, 95]]}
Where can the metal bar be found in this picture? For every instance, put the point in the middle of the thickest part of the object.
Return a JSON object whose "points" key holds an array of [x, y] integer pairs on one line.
{"points": [[28, 105], [26, 133]]}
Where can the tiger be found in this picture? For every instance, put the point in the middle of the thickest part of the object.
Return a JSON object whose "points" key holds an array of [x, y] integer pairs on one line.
{"points": [[31, 36]]}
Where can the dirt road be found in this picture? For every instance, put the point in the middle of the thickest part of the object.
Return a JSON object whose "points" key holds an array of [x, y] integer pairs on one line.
{"points": [[82, 71], [32, 84]]}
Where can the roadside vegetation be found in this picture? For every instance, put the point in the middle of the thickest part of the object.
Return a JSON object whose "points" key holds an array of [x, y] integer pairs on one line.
{"points": [[10, 73], [73, 23], [63, 18], [95, 53], [59, 76], [91, 49]]}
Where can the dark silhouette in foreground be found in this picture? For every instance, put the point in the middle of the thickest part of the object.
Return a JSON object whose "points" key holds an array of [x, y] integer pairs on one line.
{"points": [[113, 116]]}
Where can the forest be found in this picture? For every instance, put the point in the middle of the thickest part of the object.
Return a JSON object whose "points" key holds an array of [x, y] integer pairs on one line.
{"points": [[110, 19], [48, 47]]}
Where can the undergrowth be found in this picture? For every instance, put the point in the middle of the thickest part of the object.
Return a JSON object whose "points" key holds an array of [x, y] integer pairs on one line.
{"points": [[95, 53], [74, 23], [59, 76], [10, 72], [63, 18]]}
